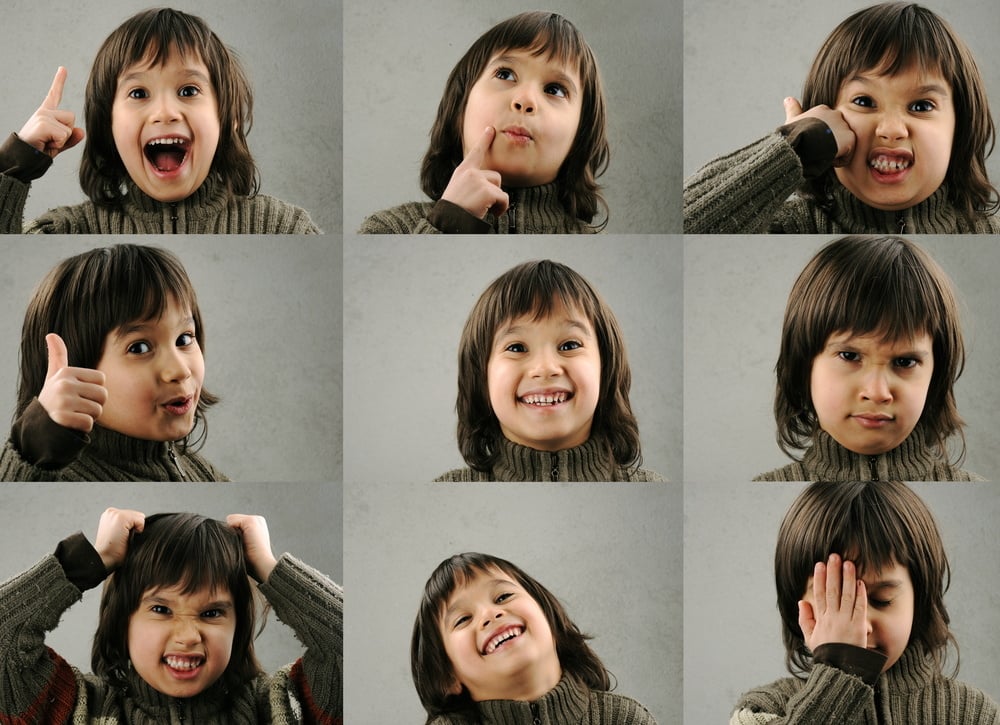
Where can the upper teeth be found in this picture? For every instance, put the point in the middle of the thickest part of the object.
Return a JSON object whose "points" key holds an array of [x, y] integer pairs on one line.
{"points": [[183, 663], [887, 163], [158, 141], [545, 398], [500, 638]]}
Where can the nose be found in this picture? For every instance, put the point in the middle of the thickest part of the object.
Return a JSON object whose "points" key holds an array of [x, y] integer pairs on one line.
{"points": [[491, 615], [876, 387], [173, 366], [186, 631], [165, 109], [523, 100], [891, 126], [545, 363]]}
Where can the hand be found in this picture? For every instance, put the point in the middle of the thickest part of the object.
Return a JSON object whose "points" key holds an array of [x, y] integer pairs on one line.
{"points": [[50, 129], [73, 397], [838, 611], [475, 189], [843, 134], [256, 544], [113, 532]]}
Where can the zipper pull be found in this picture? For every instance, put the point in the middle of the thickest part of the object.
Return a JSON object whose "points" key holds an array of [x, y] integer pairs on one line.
{"points": [[173, 459], [512, 218], [873, 466], [554, 472]]}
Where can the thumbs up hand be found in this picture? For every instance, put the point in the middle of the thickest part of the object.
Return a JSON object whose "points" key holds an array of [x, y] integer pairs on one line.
{"points": [[73, 397]]}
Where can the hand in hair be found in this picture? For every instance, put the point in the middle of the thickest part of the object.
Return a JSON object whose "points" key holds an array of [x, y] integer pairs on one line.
{"points": [[50, 129], [73, 397], [843, 134], [838, 610], [113, 533], [256, 544], [475, 189]]}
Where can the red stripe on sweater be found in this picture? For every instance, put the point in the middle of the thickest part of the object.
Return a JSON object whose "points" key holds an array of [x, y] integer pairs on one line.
{"points": [[313, 714], [54, 703]]}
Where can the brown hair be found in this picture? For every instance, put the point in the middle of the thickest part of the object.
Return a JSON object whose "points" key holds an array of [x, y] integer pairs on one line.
{"points": [[535, 288], [891, 37], [150, 37], [872, 525], [869, 285], [433, 674], [86, 297], [555, 37], [187, 551]]}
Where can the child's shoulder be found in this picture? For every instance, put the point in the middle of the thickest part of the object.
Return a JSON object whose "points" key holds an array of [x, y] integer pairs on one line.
{"points": [[619, 709], [409, 218], [459, 475]]}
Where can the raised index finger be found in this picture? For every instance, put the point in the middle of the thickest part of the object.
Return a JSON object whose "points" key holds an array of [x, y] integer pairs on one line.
{"points": [[477, 154], [54, 97]]}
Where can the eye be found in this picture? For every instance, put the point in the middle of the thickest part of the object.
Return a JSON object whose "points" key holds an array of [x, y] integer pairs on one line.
{"points": [[849, 356], [879, 603], [139, 348], [185, 340], [570, 345], [213, 614], [501, 598], [461, 620], [159, 609], [557, 89], [922, 106], [504, 74], [516, 347], [863, 101], [189, 91], [905, 362], [138, 93]]}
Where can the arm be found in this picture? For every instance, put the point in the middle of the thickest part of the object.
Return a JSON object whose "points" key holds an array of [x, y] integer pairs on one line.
{"points": [[442, 217]]}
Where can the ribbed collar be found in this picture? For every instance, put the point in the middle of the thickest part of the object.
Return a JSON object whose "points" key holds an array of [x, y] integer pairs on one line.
{"points": [[935, 214], [912, 672], [536, 210], [208, 200], [146, 460], [912, 460], [567, 702], [587, 462], [207, 706]]}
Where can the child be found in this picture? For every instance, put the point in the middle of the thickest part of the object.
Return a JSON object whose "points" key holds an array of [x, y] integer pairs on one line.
{"points": [[174, 640], [491, 644], [871, 347], [861, 574], [543, 383], [112, 373], [167, 109], [519, 140], [894, 139]]}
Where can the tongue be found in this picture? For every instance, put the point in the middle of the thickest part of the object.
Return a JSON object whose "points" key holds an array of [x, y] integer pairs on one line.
{"points": [[167, 159]]}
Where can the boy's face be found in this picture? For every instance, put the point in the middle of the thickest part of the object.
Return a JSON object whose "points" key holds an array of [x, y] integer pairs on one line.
{"points": [[534, 104], [889, 610], [869, 394], [905, 126], [165, 122], [498, 640], [544, 379], [180, 644], [154, 374]]}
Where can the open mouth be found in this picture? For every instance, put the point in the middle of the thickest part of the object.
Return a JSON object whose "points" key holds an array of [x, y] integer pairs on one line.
{"points": [[180, 405], [502, 638], [889, 164], [183, 664], [546, 399], [167, 154]]}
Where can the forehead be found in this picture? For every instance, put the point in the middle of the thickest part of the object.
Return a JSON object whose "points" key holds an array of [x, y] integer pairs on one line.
{"points": [[479, 580], [880, 339], [557, 310], [913, 75], [178, 594], [156, 58], [562, 63]]}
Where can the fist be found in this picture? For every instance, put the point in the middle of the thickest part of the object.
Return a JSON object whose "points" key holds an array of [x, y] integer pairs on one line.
{"points": [[113, 532], [843, 134]]}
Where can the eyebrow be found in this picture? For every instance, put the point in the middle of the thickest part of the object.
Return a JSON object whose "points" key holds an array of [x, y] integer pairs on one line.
{"points": [[568, 322], [218, 604], [927, 89], [129, 329], [560, 75], [186, 73], [840, 342]]}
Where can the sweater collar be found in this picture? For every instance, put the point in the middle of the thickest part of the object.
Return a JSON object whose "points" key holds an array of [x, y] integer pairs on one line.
{"points": [[565, 703], [935, 213], [146, 459], [911, 673], [911, 460], [207, 706], [586, 462], [208, 200], [536, 210]]}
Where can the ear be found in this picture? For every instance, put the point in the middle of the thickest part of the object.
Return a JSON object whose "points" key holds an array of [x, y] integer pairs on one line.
{"points": [[455, 688]]}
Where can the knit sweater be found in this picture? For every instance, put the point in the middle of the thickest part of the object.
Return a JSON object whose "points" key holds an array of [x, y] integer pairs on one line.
{"points": [[587, 462], [911, 692], [533, 210], [568, 703], [210, 210], [747, 192], [911, 460], [38, 686], [102, 455]]}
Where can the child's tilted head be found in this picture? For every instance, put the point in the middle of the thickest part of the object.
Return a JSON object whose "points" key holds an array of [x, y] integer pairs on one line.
{"points": [[910, 89], [871, 347], [167, 104], [889, 534], [482, 624], [542, 363], [180, 610], [535, 80], [131, 312]]}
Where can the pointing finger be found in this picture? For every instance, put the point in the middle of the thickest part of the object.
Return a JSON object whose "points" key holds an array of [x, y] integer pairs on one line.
{"points": [[477, 154], [54, 97]]}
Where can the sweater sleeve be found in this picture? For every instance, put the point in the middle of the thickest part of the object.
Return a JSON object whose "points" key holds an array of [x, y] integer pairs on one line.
{"points": [[829, 695], [742, 192], [403, 219], [313, 606], [36, 685]]}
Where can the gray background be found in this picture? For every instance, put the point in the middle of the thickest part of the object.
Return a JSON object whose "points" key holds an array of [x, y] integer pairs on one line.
{"points": [[732, 629], [736, 288], [292, 54], [404, 308], [397, 57], [741, 60], [271, 308], [609, 552], [37, 516]]}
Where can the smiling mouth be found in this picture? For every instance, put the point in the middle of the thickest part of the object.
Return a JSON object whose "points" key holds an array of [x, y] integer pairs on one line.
{"points": [[167, 154], [546, 399], [499, 640]]}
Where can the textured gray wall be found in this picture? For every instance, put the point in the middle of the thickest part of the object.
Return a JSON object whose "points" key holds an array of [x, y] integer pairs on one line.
{"points": [[291, 52], [397, 57]]}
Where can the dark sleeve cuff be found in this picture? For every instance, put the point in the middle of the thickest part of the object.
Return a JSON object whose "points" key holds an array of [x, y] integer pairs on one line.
{"points": [[453, 219], [22, 160], [44, 443], [863, 663], [81, 562], [814, 144]]}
